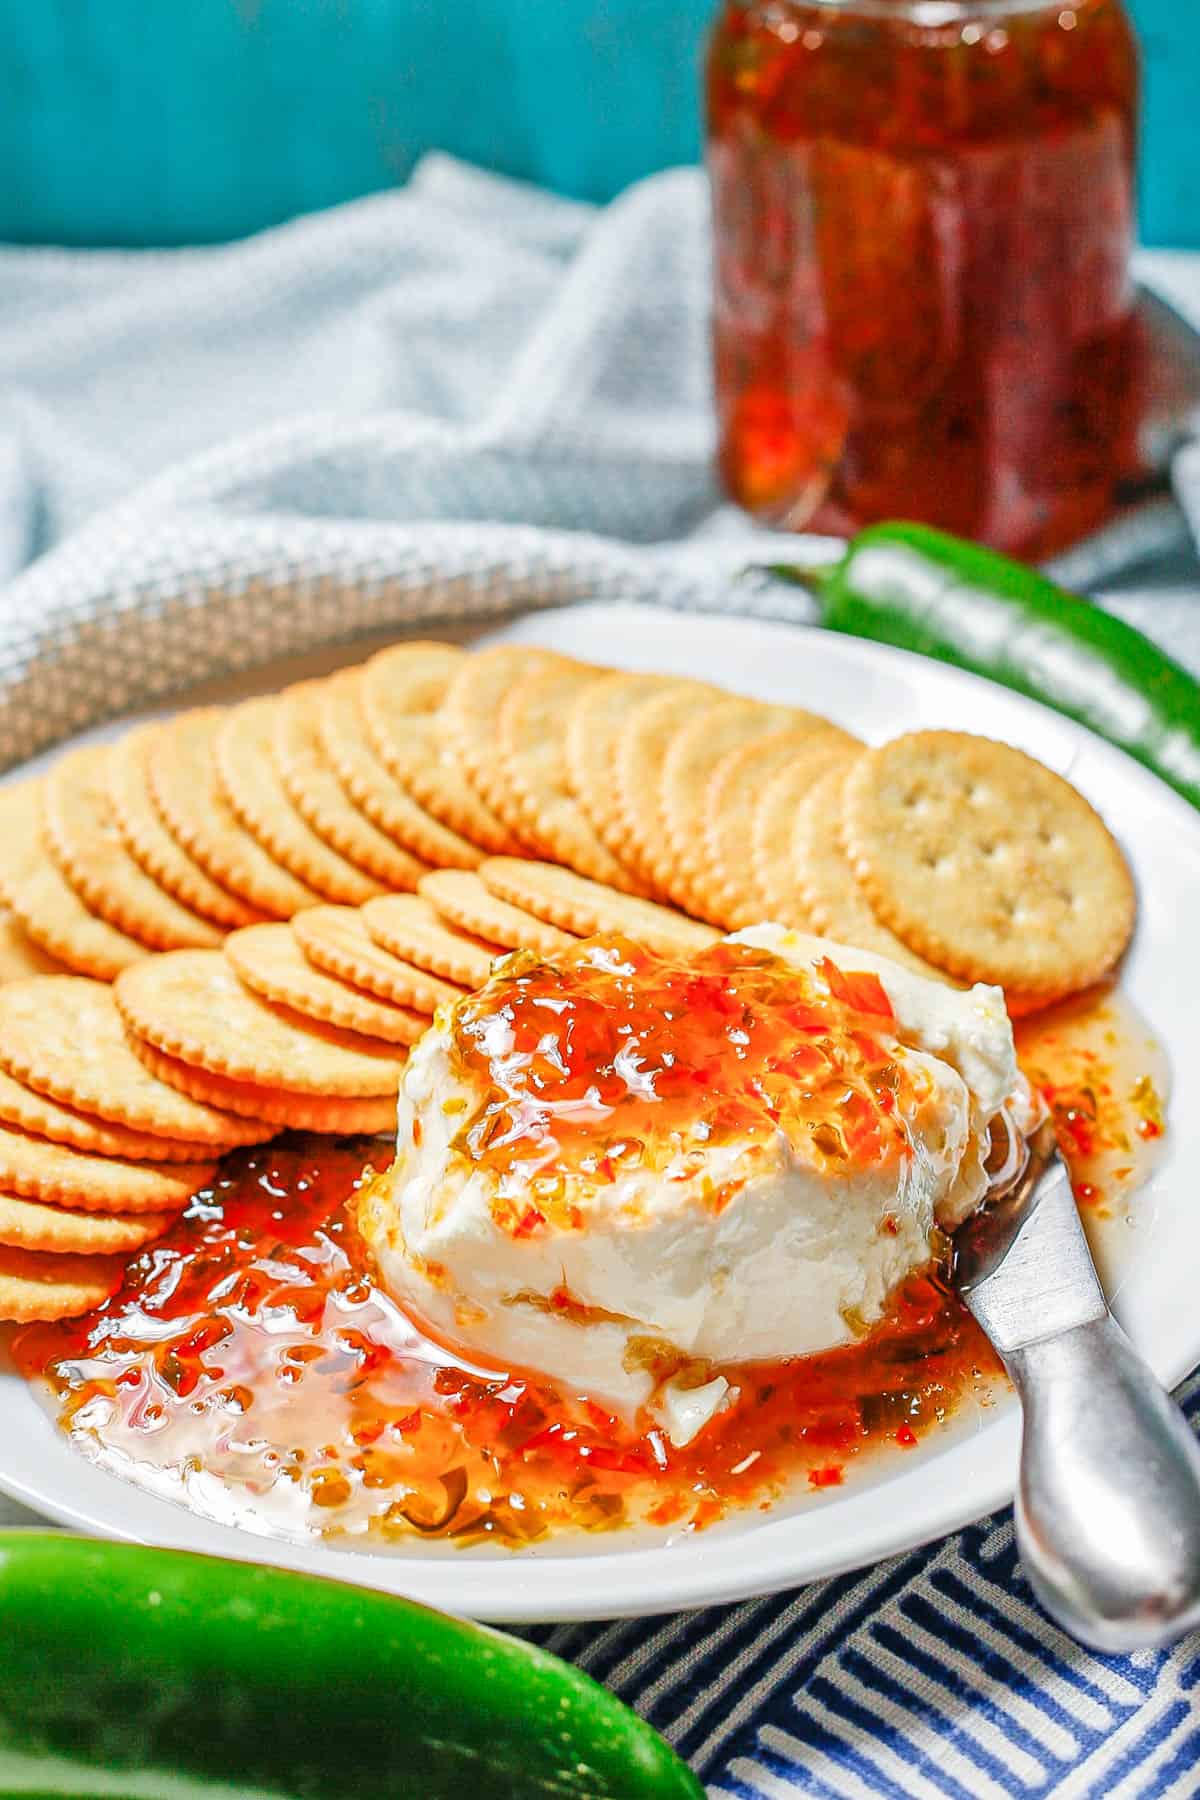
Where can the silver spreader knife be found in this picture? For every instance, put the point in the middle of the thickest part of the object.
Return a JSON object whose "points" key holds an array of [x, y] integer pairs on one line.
{"points": [[1108, 1500]]}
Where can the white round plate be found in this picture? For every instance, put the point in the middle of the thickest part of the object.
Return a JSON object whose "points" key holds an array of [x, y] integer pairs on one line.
{"points": [[877, 693]]}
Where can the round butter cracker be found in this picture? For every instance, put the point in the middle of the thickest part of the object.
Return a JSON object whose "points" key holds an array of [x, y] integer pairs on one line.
{"points": [[191, 1005], [468, 719], [183, 782], [531, 773], [312, 785], [287, 1111], [82, 837], [772, 855], [987, 862], [63, 1036], [334, 938], [372, 786], [689, 760], [31, 1225], [834, 904], [269, 959], [461, 900], [20, 957], [35, 1285], [639, 750], [44, 903], [724, 883], [401, 690], [38, 1116], [588, 909], [150, 843], [246, 770], [596, 721], [408, 926], [38, 1170]]}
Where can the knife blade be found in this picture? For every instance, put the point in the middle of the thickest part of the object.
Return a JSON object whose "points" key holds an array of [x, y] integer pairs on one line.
{"points": [[1022, 1264], [1108, 1496]]}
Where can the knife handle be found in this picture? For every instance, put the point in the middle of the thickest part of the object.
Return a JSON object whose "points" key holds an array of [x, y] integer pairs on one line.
{"points": [[1108, 1504]]}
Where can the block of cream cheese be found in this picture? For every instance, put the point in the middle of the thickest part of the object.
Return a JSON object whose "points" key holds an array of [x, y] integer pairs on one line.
{"points": [[630, 1174]]}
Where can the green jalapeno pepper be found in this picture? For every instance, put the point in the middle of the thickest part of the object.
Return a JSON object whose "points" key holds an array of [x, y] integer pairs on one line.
{"points": [[138, 1672], [923, 590]]}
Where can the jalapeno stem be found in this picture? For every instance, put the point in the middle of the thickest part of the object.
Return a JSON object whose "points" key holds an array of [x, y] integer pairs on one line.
{"points": [[810, 576]]}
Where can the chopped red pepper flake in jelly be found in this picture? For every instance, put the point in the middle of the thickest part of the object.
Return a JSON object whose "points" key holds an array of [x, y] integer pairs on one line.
{"points": [[859, 990], [1094, 1065], [251, 1356], [251, 1366], [617, 1058], [1148, 1106], [831, 1475]]}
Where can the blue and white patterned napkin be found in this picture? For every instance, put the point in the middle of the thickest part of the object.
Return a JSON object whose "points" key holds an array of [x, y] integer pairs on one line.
{"points": [[449, 403]]}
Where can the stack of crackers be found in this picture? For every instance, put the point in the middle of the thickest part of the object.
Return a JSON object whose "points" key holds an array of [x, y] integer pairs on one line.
{"points": [[235, 921]]}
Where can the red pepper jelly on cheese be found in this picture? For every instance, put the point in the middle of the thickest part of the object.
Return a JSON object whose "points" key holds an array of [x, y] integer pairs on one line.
{"points": [[622, 1058], [252, 1368]]}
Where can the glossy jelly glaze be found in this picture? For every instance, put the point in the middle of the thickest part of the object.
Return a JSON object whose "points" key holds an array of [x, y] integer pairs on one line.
{"points": [[252, 1368], [616, 1059]]}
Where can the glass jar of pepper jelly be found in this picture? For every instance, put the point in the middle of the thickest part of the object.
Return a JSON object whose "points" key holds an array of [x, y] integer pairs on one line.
{"points": [[923, 217]]}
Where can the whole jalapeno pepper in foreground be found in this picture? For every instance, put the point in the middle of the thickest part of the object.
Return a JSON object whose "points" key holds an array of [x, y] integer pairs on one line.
{"points": [[134, 1672]]}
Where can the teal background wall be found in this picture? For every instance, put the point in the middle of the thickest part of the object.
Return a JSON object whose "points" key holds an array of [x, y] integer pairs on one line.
{"points": [[180, 121]]}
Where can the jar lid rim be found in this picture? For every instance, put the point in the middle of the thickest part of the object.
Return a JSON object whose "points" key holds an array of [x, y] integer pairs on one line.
{"points": [[934, 13]]}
